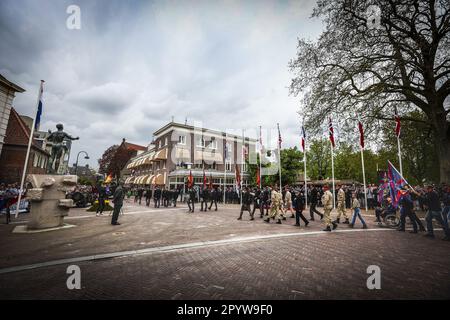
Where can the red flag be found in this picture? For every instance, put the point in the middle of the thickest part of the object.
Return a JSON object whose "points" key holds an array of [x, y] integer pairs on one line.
{"points": [[397, 125], [258, 180], [204, 179], [361, 134], [190, 179], [303, 138], [331, 130], [238, 177]]}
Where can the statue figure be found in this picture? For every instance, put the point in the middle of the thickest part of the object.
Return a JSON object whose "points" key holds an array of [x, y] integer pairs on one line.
{"points": [[58, 147]]}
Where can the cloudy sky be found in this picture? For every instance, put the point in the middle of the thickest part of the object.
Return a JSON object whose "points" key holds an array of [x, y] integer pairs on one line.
{"points": [[135, 64]]}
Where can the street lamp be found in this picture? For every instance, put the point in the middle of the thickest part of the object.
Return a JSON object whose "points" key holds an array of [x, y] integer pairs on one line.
{"points": [[76, 164]]}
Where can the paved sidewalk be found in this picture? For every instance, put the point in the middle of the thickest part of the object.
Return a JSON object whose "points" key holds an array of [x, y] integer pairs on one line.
{"points": [[168, 253]]}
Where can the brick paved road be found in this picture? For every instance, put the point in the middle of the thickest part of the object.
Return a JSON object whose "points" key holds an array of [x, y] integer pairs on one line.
{"points": [[304, 264]]}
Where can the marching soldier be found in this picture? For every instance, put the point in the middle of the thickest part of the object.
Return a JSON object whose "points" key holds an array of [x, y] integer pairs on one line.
{"points": [[299, 206], [246, 201], [191, 199], [276, 199], [256, 201], [327, 201], [157, 197], [288, 201], [341, 206], [205, 198], [266, 201], [313, 203], [214, 197], [175, 194]]}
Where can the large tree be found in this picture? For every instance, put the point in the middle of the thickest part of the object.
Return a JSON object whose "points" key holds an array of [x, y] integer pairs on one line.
{"points": [[375, 58]]}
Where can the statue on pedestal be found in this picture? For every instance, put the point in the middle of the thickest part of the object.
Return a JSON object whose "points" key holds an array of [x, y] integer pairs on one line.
{"points": [[58, 147]]}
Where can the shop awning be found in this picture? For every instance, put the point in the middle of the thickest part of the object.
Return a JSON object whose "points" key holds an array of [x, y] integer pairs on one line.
{"points": [[160, 155], [160, 179]]}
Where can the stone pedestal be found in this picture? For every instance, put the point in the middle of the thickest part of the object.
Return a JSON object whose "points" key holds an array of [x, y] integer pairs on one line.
{"points": [[48, 203]]}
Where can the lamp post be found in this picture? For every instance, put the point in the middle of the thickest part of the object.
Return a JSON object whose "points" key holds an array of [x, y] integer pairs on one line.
{"points": [[76, 164]]}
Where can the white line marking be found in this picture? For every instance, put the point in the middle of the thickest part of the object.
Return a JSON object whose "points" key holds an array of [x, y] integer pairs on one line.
{"points": [[175, 247]]}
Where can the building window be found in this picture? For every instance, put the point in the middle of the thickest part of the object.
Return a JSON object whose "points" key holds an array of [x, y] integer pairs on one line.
{"points": [[182, 140], [159, 144], [213, 144], [229, 150], [228, 166], [165, 141], [201, 143], [244, 167]]}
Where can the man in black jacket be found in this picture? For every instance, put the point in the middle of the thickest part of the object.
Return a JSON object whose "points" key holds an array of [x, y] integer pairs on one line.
{"points": [[299, 206], [214, 197], [246, 201], [191, 199], [157, 197], [118, 203], [101, 200], [432, 201], [205, 198], [313, 203]]}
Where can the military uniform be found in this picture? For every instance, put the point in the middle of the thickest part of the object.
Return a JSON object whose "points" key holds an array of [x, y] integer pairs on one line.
{"points": [[191, 199], [157, 197], [341, 206], [288, 202], [214, 197], [327, 201], [274, 213], [257, 201], [247, 199], [205, 198]]}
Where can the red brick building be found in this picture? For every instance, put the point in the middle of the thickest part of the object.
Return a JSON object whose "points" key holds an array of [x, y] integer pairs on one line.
{"points": [[14, 151]]}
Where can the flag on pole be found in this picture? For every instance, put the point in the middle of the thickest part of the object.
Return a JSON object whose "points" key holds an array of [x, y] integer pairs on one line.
{"points": [[190, 179], [303, 138], [238, 177], [210, 181], [396, 182], [398, 125], [361, 134], [109, 178], [37, 122], [258, 179], [331, 132]]}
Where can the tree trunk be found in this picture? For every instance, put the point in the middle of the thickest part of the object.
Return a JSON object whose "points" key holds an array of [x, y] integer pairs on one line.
{"points": [[442, 132], [444, 159]]}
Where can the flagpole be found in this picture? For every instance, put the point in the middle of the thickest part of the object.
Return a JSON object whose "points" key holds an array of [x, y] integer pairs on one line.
{"points": [[399, 155], [242, 165], [364, 176], [225, 169], [332, 173], [304, 176], [260, 156], [304, 163], [279, 153], [30, 141]]}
